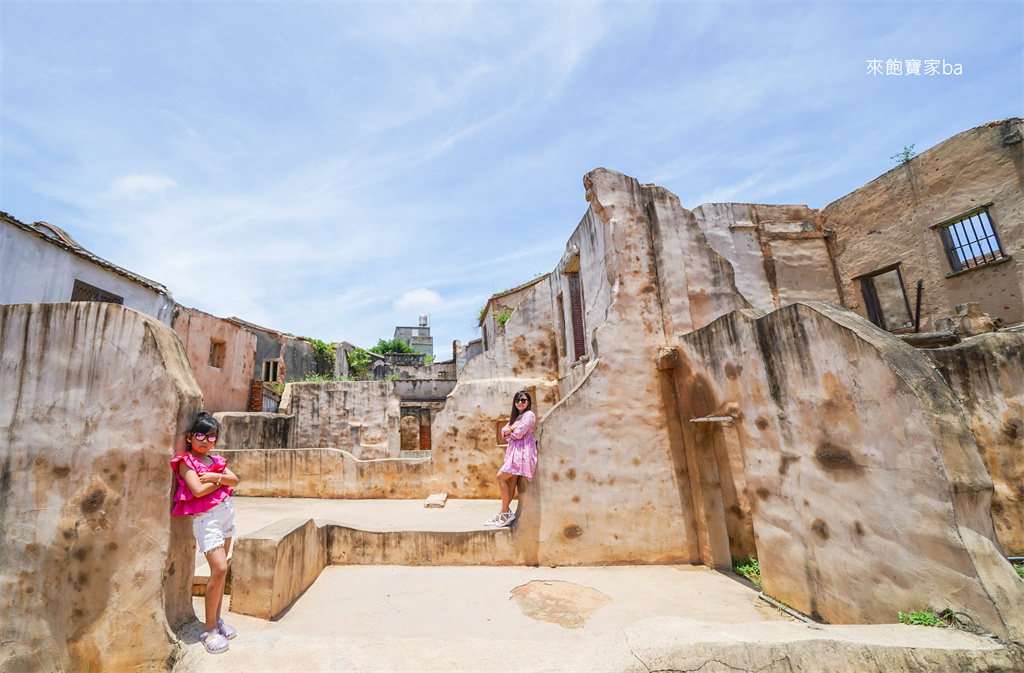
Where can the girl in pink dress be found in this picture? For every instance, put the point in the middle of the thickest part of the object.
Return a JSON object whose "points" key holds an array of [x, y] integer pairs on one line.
{"points": [[204, 493], [520, 457]]}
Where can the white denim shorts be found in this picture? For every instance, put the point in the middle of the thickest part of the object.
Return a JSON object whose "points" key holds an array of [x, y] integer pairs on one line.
{"points": [[213, 526]]}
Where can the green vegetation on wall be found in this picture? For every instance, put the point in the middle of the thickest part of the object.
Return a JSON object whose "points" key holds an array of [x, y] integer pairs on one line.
{"points": [[323, 358], [358, 363], [392, 346]]}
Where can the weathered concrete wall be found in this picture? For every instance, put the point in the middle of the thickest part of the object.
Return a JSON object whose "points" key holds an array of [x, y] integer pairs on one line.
{"points": [[255, 430], [327, 473], [360, 417], [273, 566], [888, 220], [695, 282], [780, 252], [465, 435], [868, 493], [36, 268], [611, 481], [96, 400], [502, 304], [223, 376], [986, 373]]}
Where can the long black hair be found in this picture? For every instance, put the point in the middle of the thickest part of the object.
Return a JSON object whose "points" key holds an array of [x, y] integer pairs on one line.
{"points": [[206, 424], [515, 410]]}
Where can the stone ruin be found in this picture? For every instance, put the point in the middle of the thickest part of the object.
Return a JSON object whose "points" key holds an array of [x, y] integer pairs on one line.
{"points": [[686, 416]]}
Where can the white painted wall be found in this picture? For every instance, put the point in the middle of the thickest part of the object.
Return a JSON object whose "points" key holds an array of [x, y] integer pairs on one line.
{"points": [[34, 270]]}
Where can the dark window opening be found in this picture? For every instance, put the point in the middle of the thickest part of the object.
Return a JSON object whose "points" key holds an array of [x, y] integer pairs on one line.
{"points": [[970, 241], [561, 325], [217, 354], [885, 298], [85, 292], [576, 307], [270, 370]]}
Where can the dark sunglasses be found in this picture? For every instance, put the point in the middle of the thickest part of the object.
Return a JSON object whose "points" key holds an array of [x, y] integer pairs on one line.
{"points": [[203, 437], [522, 399]]}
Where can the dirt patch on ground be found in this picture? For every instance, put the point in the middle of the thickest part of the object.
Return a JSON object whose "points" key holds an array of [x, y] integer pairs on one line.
{"points": [[564, 603]]}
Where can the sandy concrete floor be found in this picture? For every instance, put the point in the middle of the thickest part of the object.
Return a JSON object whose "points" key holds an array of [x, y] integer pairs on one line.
{"points": [[490, 619]]}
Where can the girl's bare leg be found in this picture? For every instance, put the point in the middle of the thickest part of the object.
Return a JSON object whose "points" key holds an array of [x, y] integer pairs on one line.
{"points": [[507, 483], [503, 487], [227, 551], [218, 561]]}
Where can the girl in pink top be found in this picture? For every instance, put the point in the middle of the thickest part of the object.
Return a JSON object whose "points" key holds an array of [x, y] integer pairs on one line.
{"points": [[204, 492], [520, 457]]}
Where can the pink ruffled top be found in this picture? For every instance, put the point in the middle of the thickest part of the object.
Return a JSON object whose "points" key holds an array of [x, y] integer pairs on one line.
{"points": [[185, 502]]}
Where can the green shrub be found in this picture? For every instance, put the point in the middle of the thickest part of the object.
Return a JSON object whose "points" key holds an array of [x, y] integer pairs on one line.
{"points": [[749, 568], [358, 363], [921, 618], [392, 346], [503, 317]]}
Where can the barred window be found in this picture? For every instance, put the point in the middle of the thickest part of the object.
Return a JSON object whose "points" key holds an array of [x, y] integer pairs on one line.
{"points": [[85, 292], [970, 240]]}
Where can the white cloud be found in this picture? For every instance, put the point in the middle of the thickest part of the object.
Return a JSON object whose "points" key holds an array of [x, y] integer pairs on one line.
{"points": [[140, 186], [420, 300]]}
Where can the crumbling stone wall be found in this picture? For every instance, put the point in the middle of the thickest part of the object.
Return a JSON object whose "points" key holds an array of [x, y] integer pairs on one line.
{"points": [[611, 482], [222, 371], [255, 430], [781, 253], [465, 435], [889, 220], [361, 417], [986, 373], [95, 572], [868, 493]]}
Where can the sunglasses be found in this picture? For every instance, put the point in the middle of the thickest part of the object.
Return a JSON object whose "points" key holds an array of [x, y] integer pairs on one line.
{"points": [[522, 399], [203, 437]]}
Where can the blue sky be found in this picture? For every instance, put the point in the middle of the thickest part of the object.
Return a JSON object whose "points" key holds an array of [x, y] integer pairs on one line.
{"points": [[335, 169]]}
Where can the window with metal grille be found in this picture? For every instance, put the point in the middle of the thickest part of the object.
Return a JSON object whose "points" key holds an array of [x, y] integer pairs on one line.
{"points": [[270, 370], [970, 240], [85, 292]]}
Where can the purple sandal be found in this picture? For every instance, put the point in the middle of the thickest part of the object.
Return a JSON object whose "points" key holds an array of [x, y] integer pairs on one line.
{"points": [[214, 642], [225, 630]]}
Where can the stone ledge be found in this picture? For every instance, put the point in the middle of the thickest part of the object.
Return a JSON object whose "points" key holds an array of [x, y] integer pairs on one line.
{"points": [[273, 566]]}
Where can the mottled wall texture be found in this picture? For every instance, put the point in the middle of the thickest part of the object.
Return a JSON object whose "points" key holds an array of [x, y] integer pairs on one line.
{"points": [[467, 446], [255, 430], [891, 220], [221, 354], [95, 573], [328, 473], [360, 417], [986, 373], [866, 490]]}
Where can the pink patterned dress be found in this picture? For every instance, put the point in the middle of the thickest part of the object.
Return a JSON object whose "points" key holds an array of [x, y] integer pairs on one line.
{"points": [[521, 455]]}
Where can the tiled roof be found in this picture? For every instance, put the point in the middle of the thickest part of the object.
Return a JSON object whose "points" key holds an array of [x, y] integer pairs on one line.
{"points": [[56, 236]]}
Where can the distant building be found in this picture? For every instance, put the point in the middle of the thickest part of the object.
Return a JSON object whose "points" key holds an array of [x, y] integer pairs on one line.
{"points": [[42, 263], [417, 337]]}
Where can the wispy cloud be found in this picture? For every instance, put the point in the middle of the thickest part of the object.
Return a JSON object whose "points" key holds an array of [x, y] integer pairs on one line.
{"points": [[335, 169]]}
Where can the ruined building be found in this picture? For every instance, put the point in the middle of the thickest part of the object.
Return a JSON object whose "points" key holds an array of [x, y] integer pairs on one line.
{"points": [[736, 379]]}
